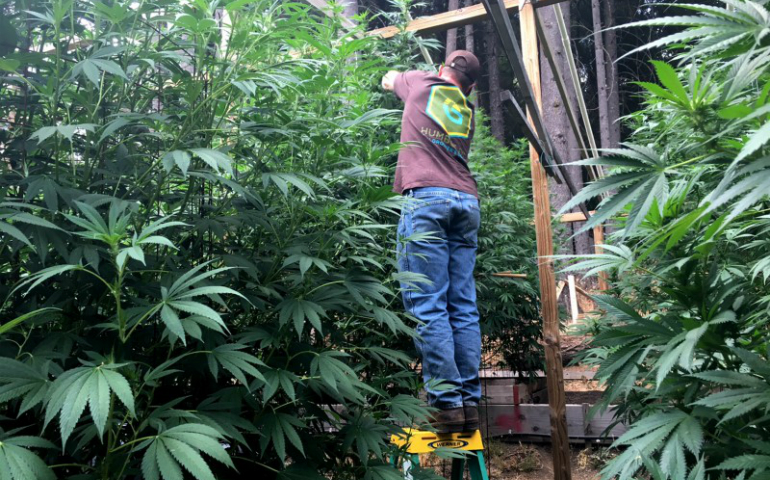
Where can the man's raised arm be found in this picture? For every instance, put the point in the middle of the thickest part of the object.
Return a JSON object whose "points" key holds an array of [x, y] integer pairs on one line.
{"points": [[389, 80]]}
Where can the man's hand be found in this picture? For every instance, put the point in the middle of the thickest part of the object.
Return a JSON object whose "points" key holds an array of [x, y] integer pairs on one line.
{"points": [[389, 80]]}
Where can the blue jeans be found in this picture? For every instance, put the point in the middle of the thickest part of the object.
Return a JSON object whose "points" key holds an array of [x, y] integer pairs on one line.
{"points": [[449, 336]]}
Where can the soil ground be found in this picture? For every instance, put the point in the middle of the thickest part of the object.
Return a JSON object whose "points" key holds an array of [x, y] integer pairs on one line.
{"points": [[515, 461], [519, 461], [535, 462]]}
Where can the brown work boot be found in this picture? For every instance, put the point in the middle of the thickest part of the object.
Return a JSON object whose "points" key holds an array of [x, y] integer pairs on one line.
{"points": [[448, 421], [471, 418]]}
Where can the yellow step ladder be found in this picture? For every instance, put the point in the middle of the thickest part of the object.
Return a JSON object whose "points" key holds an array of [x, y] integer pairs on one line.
{"points": [[415, 442]]}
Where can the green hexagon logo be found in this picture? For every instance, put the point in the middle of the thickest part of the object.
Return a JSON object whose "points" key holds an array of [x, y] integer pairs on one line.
{"points": [[448, 107]]}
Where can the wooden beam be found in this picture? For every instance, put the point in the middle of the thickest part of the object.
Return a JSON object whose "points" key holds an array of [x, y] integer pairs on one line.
{"points": [[544, 236], [510, 275], [573, 304], [559, 288], [452, 19], [524, 419], [568, 375], [598, 242], [574, 217], [582, 291]]}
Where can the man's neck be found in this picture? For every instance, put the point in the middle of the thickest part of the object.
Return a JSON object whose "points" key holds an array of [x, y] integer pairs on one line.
{"points": [[451, 80]]}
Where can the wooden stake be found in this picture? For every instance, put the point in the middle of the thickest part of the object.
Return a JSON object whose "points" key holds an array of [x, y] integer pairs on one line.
{"points": [[573, 303], [544, 234], [598, 242]]}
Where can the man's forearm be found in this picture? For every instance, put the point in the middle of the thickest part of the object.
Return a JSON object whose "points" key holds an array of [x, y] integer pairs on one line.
{"points": [[389, 80]]}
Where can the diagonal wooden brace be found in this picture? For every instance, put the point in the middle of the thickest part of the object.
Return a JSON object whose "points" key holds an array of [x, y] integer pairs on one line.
{"points": [[499, 16]]}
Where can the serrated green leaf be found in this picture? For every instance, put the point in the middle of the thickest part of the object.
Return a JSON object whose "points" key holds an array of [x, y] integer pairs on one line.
{"points": [[215, 159]]}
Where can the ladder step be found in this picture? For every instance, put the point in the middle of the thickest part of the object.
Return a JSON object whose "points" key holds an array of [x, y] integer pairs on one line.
{"points": [[419, 441]]}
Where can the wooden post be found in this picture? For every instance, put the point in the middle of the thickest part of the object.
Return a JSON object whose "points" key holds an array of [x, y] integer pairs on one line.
{"points": [[598, 242], [573, 302], [554, 372]]}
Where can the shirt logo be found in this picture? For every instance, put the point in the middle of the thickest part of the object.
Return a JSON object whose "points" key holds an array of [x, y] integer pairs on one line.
{"points": [[448, 107]]}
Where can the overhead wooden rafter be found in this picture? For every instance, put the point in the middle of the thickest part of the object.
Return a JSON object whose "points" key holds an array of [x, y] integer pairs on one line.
{"points": [[452, 19]]}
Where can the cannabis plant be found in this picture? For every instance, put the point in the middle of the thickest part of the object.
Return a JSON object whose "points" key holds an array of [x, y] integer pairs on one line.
{"points": [[683, 343], [195, 245], [510, 318]]}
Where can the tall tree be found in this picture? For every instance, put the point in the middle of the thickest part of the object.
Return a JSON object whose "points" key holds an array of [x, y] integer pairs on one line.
{"points": [[470, 43], [601, 75], [493, 70], [558, 126], [613, 96], [451, 34]]}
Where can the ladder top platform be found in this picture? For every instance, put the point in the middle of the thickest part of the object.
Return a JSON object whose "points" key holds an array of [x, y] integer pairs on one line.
{"points": [[418, 441]]}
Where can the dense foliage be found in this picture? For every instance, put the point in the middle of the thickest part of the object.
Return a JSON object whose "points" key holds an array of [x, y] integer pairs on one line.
{"points": [[196, 244], [683, 349]]}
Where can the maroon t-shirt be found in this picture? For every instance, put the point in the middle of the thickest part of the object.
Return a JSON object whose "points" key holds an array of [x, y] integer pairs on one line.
{"points": [[437, 128]]}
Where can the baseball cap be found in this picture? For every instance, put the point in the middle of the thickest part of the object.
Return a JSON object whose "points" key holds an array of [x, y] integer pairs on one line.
{"points": [[466, 63]]}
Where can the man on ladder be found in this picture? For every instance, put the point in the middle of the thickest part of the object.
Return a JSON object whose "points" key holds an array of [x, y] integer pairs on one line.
{"points": [[442, 211]]}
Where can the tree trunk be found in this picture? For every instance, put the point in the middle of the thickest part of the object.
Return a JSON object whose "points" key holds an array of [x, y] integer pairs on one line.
{"points": [[451, 34], [601, 75], [470, 43], [613, 100], [493, 69], [350, 10], [556, 123]]}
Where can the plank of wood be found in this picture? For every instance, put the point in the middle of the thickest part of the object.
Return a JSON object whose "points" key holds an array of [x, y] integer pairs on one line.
{"points": [[573, 298], [503, 420], [509, 275], [574, 217], [560, 288], [511, 391], [557, 414], [598, 243], [568, 375], [442, 21], [582, 291], [452, 19]]}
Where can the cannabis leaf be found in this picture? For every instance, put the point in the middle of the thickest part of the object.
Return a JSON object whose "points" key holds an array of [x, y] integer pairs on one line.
{"points": [[181, 446], [19, 379], [177, 300], [716, 29], [642, 182], [276, 428], [92, 385], [234, 360], [17, 462]]}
